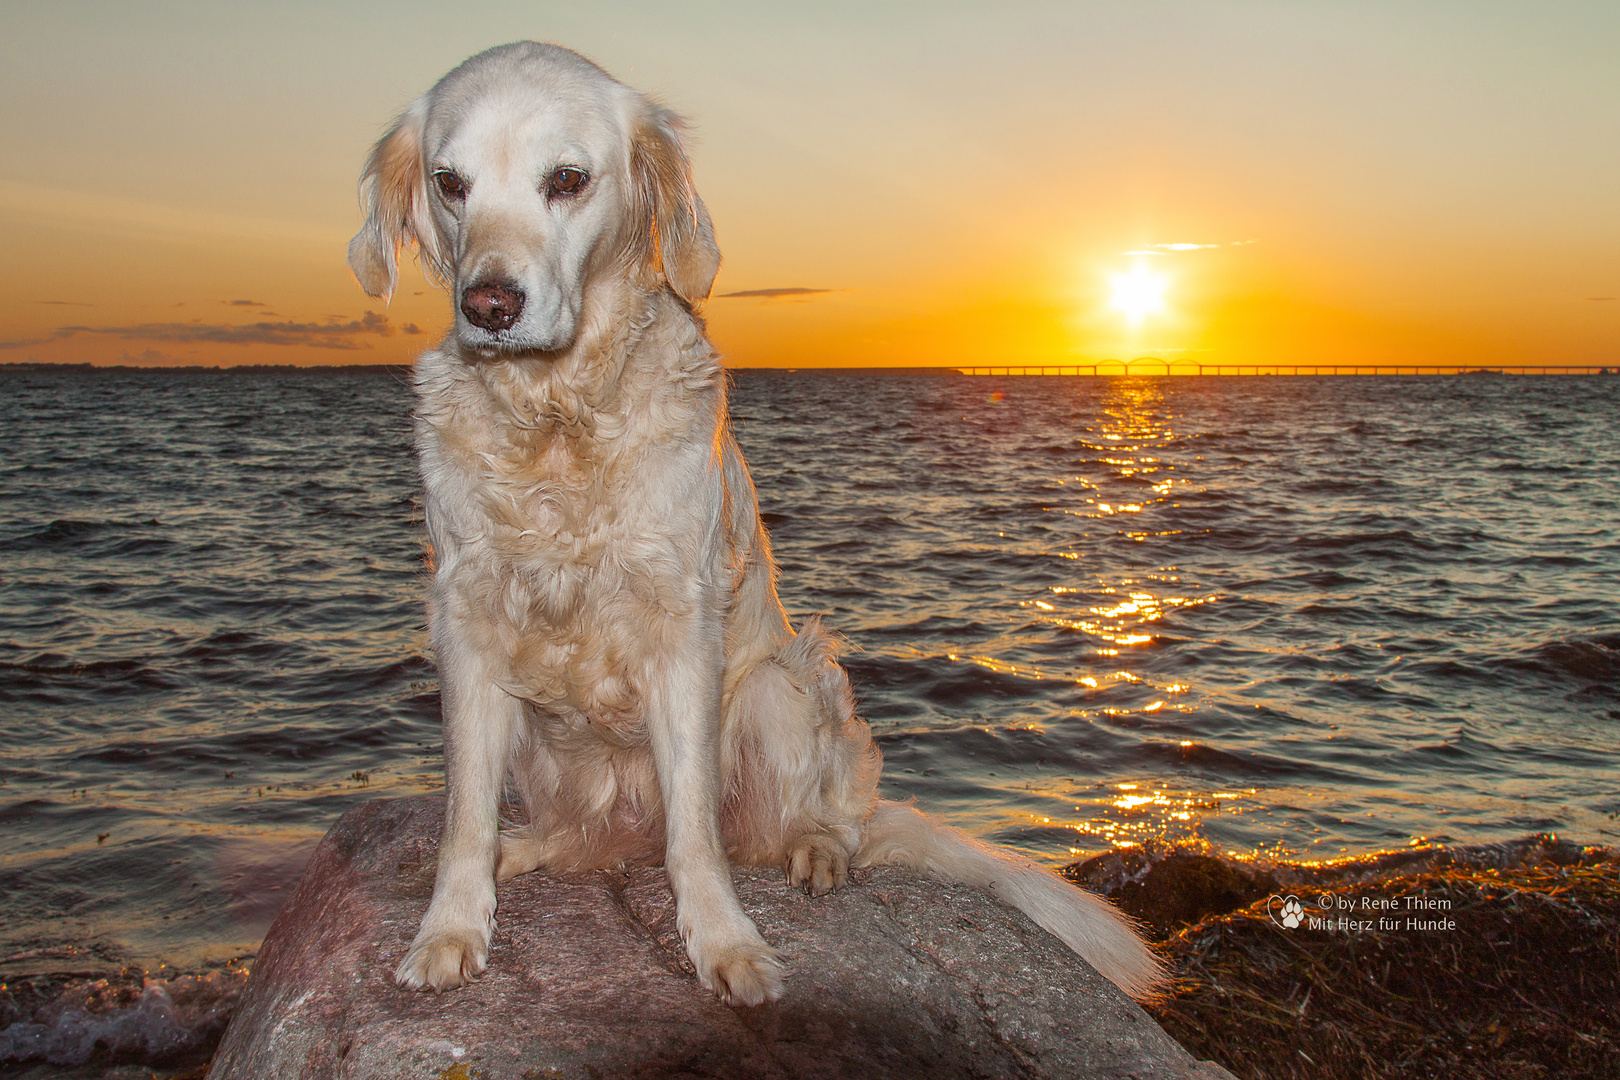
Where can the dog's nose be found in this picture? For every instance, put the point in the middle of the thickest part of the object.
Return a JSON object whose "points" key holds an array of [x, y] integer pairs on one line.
{"points": [[492, 305]]}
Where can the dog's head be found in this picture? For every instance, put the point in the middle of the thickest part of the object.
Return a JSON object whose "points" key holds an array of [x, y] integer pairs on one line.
{"points": [[525, 176]]}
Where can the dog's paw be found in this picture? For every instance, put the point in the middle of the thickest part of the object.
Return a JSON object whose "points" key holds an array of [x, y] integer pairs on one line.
{"points": [[444, 960], [817, 864], [741, 972]]}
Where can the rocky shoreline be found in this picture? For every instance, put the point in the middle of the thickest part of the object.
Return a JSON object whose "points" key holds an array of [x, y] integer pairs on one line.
{"points": [[1487, 962]]}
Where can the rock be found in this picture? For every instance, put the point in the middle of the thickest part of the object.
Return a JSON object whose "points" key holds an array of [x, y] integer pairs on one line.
{"points": [[895, 975]]}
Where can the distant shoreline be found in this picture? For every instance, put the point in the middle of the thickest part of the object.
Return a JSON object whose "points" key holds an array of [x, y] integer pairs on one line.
{"points": [[1015, 371]]}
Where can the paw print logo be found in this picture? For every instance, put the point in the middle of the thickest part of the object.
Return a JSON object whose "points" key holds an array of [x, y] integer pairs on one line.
{"points": [[1292, 912], [1285, 911]]}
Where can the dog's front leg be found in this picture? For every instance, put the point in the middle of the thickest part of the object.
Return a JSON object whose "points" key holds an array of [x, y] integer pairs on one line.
{"points": [[683, 722], [480, 718]]}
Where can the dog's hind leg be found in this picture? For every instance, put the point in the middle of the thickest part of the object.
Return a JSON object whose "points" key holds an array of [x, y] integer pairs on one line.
{"points": [[818, 863], [542, 839], [801, 767], [521, 853]]}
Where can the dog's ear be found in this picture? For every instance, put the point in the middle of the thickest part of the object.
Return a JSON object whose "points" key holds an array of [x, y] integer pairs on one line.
{"points": [[393, 193], [675, 232]]}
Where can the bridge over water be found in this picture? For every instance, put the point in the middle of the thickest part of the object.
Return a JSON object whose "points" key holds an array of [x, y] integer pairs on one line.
{"points": [[1153, 366]]}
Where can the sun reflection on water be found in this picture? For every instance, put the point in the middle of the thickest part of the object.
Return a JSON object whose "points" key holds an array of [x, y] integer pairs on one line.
{"points": [[1085, 629], [1120, 815]]}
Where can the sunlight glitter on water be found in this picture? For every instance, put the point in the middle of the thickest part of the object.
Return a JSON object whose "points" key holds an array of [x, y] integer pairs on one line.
{"points": [[1341, 604]]}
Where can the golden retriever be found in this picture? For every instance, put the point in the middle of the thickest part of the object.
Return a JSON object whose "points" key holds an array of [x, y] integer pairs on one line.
{"points": [[603, 611]]}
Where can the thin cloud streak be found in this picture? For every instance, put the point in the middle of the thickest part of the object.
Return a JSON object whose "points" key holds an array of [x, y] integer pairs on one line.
{"points": [[24, 343], [1162, 249], [794, 290], [334, 335]]}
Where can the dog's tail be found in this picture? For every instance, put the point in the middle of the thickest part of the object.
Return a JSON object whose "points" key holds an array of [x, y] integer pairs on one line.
{"points": [[899, 835]]}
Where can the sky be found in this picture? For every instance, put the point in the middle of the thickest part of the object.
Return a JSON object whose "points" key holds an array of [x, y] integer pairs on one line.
{"points": [[892, 183]]}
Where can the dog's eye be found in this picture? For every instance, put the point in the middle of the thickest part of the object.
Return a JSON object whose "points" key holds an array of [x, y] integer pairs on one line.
{"points": [[451, 186], [566, 181]]}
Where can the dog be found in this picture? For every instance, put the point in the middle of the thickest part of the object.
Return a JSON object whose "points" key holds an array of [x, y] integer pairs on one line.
{"points": [[603, 610]]}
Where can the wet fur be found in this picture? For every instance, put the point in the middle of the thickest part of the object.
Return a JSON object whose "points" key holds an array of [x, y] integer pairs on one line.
{"points": [[604, 609]]}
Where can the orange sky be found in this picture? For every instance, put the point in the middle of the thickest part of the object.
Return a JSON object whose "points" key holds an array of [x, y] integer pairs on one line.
{"points": [[1366, 182]]}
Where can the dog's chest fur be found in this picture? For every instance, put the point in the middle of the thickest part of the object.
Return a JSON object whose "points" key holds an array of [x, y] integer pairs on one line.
{"points": [[560, 521]]}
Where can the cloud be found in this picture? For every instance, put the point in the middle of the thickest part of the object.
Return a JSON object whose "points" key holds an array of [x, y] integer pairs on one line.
{"points": [[1599, 299], [23, 343], [1160, 249], [68, 303], [327, 335], [245, 303], [793, 290]]}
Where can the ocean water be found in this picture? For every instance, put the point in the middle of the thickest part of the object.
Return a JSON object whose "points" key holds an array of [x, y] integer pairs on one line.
{"points": [[1284, 619]]}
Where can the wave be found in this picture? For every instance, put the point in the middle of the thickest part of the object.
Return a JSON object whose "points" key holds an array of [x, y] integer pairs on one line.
{"points": [[71, 534], [53, 670], [132, 1018], [1594, 661]]}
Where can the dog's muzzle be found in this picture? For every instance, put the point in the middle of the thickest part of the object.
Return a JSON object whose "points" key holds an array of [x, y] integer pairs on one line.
{"points": [[492, 305]]}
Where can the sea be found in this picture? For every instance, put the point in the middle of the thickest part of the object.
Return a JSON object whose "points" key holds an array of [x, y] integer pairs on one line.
{"points": [[1279, 620]]}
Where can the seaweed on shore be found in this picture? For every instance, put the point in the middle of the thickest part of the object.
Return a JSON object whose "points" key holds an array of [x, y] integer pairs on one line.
{"points": [[1525, 984]]}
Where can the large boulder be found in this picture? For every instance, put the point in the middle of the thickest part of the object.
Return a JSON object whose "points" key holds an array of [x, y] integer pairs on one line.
{"points": [[895, 975]]}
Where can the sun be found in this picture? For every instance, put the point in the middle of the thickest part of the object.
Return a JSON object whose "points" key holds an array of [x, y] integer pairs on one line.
{"points": [[1138, 294]]}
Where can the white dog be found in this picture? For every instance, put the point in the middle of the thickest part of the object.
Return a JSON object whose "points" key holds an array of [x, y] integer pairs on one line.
{"points": [[604, 608]]}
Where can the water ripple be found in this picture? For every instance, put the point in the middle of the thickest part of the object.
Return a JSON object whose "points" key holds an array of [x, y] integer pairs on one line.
{"points": [[1294, 617]]}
